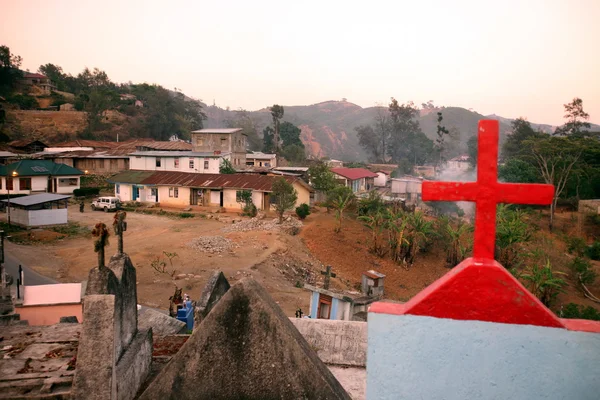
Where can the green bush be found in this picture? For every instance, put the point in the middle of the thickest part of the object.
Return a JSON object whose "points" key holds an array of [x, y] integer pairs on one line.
{"points": [[91, 191], [186, 215], [303, 211], [576, 245], [577, 311], [593, 251], [250, 210], [24, 101], [583, 271], [371, 204]]}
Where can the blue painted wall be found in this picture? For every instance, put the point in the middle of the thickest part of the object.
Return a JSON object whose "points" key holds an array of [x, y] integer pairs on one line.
{"points": [[412, 357], [334, 308], [314, 304]]}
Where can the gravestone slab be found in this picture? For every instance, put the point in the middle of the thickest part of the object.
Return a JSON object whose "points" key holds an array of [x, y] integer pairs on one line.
{"points": [[245, 348], [125, 273], [215, 288], [161, 324]]}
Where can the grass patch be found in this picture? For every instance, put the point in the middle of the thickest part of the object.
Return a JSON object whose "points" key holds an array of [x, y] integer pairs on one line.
{"points": [[72, 229], [185, 215]]}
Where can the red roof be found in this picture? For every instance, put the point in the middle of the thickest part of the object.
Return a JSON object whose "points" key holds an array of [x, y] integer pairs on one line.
{"points": [[354, 173], [34, 75]]}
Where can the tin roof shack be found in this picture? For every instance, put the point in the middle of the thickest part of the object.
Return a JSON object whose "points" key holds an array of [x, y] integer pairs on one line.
{"points": [[408, 188], [46, 304], [346, 306], [42, 209]]}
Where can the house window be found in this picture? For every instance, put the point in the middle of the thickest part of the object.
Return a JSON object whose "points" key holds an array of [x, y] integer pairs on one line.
{"points": [[67, 182], [176, 162], [24, 183], [158, 161], [9, 183], [191, 163], [205, 164], [174, 192], [118, 189], [223, 142]]}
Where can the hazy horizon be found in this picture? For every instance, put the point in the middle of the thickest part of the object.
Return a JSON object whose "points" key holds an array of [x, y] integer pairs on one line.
{"points": [[509, 59]]}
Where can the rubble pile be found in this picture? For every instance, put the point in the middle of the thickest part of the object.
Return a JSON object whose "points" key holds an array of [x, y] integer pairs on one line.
{"points": [[257, 224], [212, 244]]}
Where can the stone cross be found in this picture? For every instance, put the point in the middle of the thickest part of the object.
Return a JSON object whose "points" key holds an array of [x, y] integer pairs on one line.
{"points": [[328, 275], [120, 226], [102, 234], [487, 192]]}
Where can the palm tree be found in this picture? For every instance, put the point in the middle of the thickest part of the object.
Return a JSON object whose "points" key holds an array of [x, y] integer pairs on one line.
{"points": [[455, 239], [419, 231], [376, 223], [396, 224], [341, 198]]}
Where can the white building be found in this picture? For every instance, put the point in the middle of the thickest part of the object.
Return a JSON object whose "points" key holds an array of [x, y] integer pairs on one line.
{"points": [[259, 159], [358, 179], [177, 161], [458, 164], [42, 209], [382, 178], [31, 176], [408, 188]]}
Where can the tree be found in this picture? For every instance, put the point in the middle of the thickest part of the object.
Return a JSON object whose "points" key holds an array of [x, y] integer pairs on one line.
{"points": [[276, 114], [368, 141], [294, 154], [456, 239], [245, 197], [340, 199], [554, 158], [9, 70], [521, 131], [518, 171], [442, 132], [226, 167], [321, 178], [290, 135], [55, 74], [268, 140], [472, 150], [407, 141], [243, 119], [284, 195], [576, 118], [375, 139], [376, 223], [511, 230]]}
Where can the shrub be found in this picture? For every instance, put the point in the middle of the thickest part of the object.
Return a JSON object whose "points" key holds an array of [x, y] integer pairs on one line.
{"points": [[576, 245], [86, 191], [593, 251], [186, 215], [370, 204], [24, 101], [583, 271], [303, 211], [544, 282], [250, 210], [577, 311]]}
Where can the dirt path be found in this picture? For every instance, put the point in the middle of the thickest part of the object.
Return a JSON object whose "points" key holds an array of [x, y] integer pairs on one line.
{"points": [[262, 255]]}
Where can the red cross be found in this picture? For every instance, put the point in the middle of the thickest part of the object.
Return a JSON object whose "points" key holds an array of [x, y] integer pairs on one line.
{"points": [[486, 192]]}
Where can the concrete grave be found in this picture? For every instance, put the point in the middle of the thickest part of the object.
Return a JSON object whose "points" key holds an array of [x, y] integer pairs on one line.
{"points": [[161, 324], [114, 357], [215, 288], [245, 348]]}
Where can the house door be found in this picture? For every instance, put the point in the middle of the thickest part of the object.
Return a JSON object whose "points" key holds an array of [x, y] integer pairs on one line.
{"points": [[135, 193], [154, 194], [324, 309], [266, 203], [221, 199], [50, 188]]}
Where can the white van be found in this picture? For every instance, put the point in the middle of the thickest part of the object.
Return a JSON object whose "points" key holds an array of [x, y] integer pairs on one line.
{"points": [[106, 203]]}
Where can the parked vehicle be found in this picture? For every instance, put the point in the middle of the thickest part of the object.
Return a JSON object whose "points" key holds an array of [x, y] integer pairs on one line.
{"points": [[106, 203]]}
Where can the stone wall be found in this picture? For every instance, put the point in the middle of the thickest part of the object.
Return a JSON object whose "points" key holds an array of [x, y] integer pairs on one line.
{"points": [[336, 342], [589, 206]]}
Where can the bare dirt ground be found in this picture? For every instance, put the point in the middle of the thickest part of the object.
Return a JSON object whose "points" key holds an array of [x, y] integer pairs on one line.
{"points": [[276, 260]]}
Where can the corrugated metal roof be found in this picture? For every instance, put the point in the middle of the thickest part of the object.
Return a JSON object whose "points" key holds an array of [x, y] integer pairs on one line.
{"points": [[213, 130], [97, 144], [261, 183], [24, 143], [37, 199], [38, 167], [354, 173], [374, 274], [166, 145]]}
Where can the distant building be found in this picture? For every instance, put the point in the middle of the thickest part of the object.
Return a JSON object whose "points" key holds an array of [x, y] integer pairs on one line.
{"points": [[177, 161], [426, 171], [46, 304], [334, 163], [43, 209], [408, 188], [218, 141], [35, 176], [358, 179], [28, 146], [259, 159], [458, 164], [33, 79], [382, 178]]}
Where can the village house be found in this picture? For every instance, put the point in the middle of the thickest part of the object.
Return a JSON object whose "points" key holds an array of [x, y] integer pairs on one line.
{"points": [[222, 141], [27, 146], [426, 171], [382, 178], [346, 306], [408, 188], [42, 209], [259, 159], [31, 176], [358, 179], [458, 164], [182, 189], [334, 163], [34, 79], [47, 304]]}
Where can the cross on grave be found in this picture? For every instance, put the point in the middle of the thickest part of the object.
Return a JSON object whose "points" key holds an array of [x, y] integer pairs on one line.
{"points": [[120, 226], [487, 192], [328, 275], [102, 234]]}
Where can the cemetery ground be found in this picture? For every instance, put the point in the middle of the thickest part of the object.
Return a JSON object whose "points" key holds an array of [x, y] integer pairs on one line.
{"points": [[280, 262]]}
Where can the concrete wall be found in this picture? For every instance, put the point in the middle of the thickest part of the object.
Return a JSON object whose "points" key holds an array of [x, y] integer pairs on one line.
{"points": [[97, 165], [64, 186], [148, 163], [381, 179], [50, 314], [125, 192], [182, 200], [414, 357], [38, 217], [303, 194], [336, 342], [589, 206]]}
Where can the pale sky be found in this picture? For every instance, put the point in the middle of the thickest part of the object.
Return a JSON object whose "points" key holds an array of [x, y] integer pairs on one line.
{"points": [[513, 58]]}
